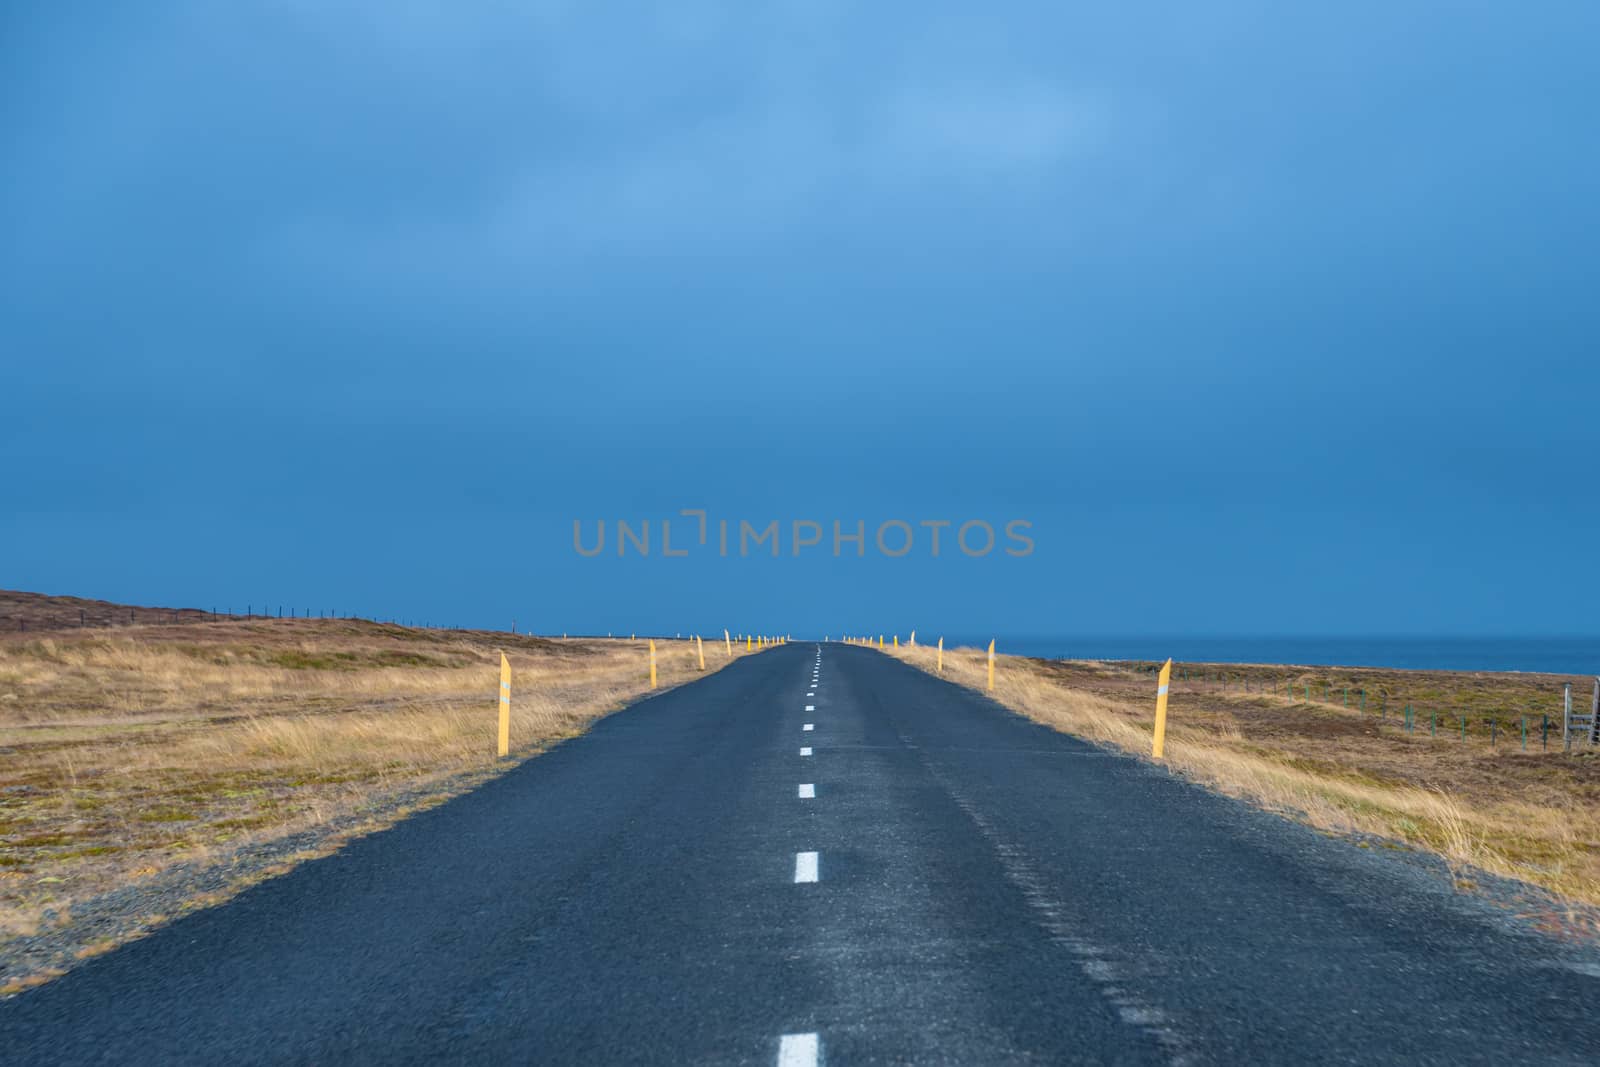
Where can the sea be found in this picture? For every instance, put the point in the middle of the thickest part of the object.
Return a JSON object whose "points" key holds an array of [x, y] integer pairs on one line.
{"points": [[1540, 655]]}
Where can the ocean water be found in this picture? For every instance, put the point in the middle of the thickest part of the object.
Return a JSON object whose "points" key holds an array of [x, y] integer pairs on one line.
{"points": [[1549, 655]]}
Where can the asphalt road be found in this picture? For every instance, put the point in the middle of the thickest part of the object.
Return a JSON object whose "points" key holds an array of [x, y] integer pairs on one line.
{"points": [[985, 891]]}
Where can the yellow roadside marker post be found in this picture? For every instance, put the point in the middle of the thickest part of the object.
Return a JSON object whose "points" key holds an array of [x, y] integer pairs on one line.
{"points": [[880, 642], [727, 642], [699, 646], [896, 640], [1162, 685], [991, 664], [505, 705], [941, 655], [652, 663], [747, 642]]}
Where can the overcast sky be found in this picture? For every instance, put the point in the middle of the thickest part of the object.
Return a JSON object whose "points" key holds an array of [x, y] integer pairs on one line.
{"points": [[1267, 319]]}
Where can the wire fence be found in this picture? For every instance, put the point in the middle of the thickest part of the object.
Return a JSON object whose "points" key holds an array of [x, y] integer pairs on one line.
{"points": [[1559, 714], [108, 617]]}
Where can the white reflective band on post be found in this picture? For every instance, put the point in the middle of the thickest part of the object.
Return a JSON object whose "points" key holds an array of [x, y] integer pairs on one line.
{"points": [[1160, 690]]}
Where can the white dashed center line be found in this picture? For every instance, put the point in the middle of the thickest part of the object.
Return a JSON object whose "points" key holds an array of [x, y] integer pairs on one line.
{"points": [[808, 791], [797, 1050], [805, 867], [811, 707], [808, 726], [806, 751]]}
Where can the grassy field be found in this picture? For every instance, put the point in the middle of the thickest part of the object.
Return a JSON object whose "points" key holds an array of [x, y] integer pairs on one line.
{"points": [[126, 751], [1533, 815]]}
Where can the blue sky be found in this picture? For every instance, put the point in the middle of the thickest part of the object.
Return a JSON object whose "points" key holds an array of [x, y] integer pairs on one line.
{"points": [[1268, 320]]}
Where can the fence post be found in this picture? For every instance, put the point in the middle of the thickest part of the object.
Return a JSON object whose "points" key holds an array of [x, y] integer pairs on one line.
{"points": [[1566, 716], [505, 706], [1594, 715], [1159, 739]]}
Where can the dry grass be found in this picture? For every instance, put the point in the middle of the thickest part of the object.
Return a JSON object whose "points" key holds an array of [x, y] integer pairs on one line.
{"points": [[125, 751], [1532, 815]]}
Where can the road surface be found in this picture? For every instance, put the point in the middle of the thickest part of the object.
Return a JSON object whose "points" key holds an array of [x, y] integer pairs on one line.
{"points": [[820, 854]]}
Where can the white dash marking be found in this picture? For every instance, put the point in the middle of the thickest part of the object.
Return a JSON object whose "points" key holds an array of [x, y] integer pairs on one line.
{"points": [[808, 791], [805, 867], [806, 751], [808, 726], [797, 1050], [811, 707]]}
